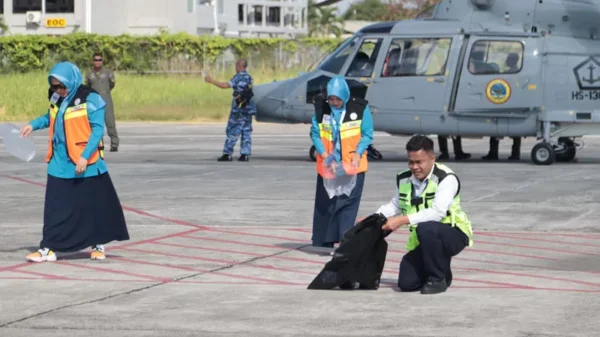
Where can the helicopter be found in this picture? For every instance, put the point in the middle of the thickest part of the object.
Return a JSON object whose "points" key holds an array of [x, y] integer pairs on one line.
{"points": [[470, 68]]}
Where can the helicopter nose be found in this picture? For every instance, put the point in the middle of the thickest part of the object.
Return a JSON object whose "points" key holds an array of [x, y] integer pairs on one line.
{"points": [[269, 100]]}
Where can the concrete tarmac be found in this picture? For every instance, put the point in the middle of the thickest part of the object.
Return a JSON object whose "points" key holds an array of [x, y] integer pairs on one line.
{"points": [[223, 249]]}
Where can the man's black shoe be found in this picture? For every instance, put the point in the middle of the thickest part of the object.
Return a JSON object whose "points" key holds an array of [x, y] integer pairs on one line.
{"points": [[225, 157], [244, 157], [462, 156], [114, 149], [434, 287], [490, 157]]}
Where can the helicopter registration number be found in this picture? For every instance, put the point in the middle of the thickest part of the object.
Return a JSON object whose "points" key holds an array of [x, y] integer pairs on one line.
{"points": [[588, 94]]}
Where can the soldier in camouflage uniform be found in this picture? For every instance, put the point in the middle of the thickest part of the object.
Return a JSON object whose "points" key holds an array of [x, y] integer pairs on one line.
{"points": [[103, 81], [242, 110]]}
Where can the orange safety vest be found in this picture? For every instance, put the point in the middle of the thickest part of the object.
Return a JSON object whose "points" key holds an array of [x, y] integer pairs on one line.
{"points": [[76, 127], [350, 133]]}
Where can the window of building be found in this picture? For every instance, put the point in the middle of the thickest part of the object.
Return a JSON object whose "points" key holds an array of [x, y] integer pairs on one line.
{"points": [[496, 57], [417, 57], [22, 6], [274, 16], [364, 61], [60, 6], [1, 7], [51, 6]]}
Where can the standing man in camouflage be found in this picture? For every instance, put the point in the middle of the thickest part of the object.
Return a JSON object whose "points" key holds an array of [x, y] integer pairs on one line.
{"points": [[242, 109], [103, 81]]}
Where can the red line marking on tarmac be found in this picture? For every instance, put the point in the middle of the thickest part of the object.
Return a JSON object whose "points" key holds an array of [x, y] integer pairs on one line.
{"points": [[530, 275], [17, 278], [152, 240], [508, 236], [13, 267], [533, 247], [390, 241], [262, 245], [593, 236], [44, 275], [25, 180], [264, 281], [392, 261], [257, 235], [158, 217], [119, 272], [232, 263], [313, 261], [390, 250]]}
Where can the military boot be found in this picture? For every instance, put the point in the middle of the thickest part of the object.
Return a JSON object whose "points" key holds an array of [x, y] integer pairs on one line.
{"points": [[516, 149], [458, 151], [225, 157], [493, 153]]}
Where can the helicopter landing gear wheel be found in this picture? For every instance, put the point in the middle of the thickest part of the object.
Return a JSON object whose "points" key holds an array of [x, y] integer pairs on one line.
{"points": [[543, 154], [566, 149], [313, 153], [373, 153]]}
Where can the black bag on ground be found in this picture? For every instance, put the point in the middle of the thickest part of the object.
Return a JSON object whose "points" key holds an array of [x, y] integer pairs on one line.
{"points": [[358, 261]]}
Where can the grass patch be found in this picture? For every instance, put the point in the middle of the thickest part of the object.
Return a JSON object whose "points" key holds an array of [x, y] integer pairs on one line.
{"points": [[136, 97]]}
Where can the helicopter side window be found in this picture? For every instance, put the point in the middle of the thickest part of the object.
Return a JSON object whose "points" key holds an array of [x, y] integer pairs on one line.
{"points": [[335, 62], [417, 57], [364, 61], [496, 57]]}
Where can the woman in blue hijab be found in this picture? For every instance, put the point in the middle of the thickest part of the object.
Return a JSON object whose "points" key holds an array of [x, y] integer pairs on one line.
{"points": [[342, 130], [81, 206]]}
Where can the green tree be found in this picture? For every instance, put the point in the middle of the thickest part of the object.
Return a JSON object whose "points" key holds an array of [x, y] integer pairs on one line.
{"points": [[385, 10], [367, 10], [322, 21]]}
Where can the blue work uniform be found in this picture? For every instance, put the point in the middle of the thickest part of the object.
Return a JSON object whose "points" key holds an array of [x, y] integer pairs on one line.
{"points": [[240, 118]]}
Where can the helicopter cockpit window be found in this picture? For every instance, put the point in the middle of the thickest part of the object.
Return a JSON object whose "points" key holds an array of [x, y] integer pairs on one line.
{"points": [[364, 61], [335, 62], [416, 57], [496, 57]]}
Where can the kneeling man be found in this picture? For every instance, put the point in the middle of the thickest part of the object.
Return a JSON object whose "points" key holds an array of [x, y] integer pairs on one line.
{"points": [[427, 199]]}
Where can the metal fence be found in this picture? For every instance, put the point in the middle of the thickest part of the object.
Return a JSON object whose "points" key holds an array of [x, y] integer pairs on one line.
{"points": [[276, 59]]}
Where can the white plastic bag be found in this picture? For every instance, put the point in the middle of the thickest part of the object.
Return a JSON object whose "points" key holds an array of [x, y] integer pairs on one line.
{"points": [[340, 180], [339, 185], [22, 148]]}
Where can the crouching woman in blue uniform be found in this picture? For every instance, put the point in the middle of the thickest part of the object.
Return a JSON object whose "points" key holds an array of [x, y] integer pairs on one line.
{"points": [[342, 130], [81, 206]]}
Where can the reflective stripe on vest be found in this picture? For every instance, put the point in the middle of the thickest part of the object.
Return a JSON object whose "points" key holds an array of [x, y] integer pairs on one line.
{"points": [[410, 204], [77, 131], [350, 134]]}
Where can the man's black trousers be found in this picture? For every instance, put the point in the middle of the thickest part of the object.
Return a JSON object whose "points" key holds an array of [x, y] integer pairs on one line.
{"points": [[438, 243]]}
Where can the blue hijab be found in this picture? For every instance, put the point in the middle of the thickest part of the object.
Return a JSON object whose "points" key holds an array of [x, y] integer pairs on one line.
{"points": [[337, 86], [69, 75]]}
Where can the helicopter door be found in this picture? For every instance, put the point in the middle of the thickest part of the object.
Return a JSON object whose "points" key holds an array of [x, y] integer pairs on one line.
{"points": [[493, 81], [409, 82]]}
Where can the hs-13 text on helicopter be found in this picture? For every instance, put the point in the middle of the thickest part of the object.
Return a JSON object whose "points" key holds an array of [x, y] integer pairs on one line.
{"points": [[472, 68]]}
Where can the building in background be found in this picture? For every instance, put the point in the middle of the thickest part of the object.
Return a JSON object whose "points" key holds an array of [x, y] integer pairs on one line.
{"points": [[276, 18]]}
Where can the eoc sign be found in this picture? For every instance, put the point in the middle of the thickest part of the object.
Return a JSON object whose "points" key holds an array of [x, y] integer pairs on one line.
{"points": [[56, 23]]}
